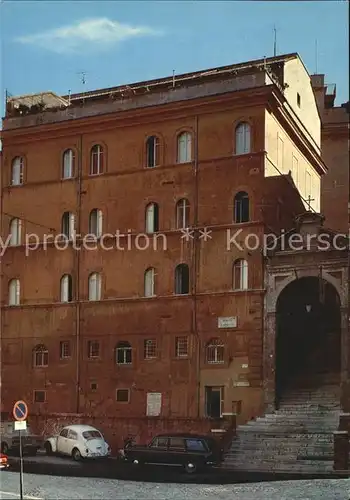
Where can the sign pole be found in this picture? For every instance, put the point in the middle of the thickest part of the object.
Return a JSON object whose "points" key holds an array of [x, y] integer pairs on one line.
{"points": [[21, 466]]}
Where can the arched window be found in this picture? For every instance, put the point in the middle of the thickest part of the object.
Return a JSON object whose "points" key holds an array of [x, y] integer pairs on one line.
{"points": [[96, 160], [149, 284], [17, 171], [215, 352], [68, 164], [66, 288], [94, 286], [123, 353], [242, 136], [241, 207], [184, 147], [40, 356], [240, 275], [182, 279], [14, 292], [95, 222], [68, 225], [182, 214], [15, 232], [152, 218], [152, 151]]}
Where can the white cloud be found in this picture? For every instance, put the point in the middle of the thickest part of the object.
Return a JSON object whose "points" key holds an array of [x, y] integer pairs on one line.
{"points": [[87, 34]]}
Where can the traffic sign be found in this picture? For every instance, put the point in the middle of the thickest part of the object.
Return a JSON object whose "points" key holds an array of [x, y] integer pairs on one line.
{"points": [[20, 411]]}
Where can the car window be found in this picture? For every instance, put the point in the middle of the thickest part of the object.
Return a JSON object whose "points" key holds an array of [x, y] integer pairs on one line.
{"points": [[160, 442], [92, 435], [195, 445], [72, 434], [177, 443], [64, 433]]}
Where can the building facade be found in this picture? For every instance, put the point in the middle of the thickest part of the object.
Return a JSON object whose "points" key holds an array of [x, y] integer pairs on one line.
{"points": [[133, 278]]}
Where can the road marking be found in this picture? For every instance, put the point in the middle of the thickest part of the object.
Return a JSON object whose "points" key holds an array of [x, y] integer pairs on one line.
{"points": [[28, 497]]}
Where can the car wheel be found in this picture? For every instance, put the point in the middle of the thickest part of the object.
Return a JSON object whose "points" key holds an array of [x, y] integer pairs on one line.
{"points": [[4, 448], [48, 448], [76, 455], [190, 468]]}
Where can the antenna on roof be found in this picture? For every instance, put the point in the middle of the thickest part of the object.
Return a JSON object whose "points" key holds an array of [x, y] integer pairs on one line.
{"points": [[173, 78], [274, 41], [69, 94], [316, 57]]}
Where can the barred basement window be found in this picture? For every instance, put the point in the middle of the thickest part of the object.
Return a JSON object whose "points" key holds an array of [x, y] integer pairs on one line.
{"points": [[181, 347], [39, 396], [123, 395]]}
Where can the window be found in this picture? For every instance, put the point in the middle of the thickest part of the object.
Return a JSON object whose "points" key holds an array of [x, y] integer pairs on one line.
{"points": [[68, 225], [95, 286], [72, 435], [95, 222], [68, 164], [240, 275], [124, 353], [123, 395], [93, 349], [182, 214], [15, 232], [195, 445], [152, 151], [93, 386], [214, 352], [177, 443], [96, 160], [150, 349], [17, 171], [298, 100], [40, 356], [182, 279], [149, 284], [152, 218], [39, 396], [14, 292], [181, 347], [66, 288], [159, 442], [184, 147], [241, 207], [64, 433], [65, 351], [242, 138]]}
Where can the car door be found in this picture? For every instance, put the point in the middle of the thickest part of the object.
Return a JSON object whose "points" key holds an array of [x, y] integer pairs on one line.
{"points": [[72, 441], [156, 452], [62, 441], [176, 451], [197, 450]]}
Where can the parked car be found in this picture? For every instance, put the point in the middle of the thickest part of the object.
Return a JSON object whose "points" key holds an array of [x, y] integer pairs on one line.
{"points": [[10, 439], [78, 441], [191, 451], [4, 462]]}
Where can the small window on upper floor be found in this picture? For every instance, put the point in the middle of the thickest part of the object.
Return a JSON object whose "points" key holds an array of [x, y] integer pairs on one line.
{"points": [[152, 151], [96, 160], [68, 164], [241, 207], [94, 286], [95, 222], [182, 214], [182, 279], [184, 147], [15, 232], [149, 284], [66, 288], [152, 218], [17, 171], [68, 225], [298, 100], [240, 275], [14, 291], [243, 139]]}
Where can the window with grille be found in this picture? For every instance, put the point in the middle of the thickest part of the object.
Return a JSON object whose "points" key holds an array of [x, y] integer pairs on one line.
{"points": [[152, 151], [65, 350], [181, 347], [182, 214], [123, 395], [17, 171], [241, 207], [39, 396], [150, 349], [68, 164], [96, 160], [15, 232], [123, 353], [240, 275], [40, 356], [215, 352], [242, 136], [93, 349]]}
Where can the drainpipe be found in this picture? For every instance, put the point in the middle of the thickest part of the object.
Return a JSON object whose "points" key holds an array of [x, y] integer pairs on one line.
{"points": [[77, 273]]}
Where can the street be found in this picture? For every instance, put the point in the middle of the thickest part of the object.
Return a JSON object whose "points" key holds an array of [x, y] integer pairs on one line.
{"points": [[40, 487]]}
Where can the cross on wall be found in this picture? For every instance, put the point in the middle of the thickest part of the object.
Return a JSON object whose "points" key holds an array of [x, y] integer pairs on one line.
{"points": [[308, 201]]}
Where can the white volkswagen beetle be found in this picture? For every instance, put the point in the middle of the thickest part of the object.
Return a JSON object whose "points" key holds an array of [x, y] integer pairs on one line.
{"points": [[78, 441]]}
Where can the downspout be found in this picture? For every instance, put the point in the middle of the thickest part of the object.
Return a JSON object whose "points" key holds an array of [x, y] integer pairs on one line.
{"points": [[195, 267], [77, 272], [1, 273]]}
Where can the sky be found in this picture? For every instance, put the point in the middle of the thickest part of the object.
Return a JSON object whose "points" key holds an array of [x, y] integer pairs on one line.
{"points": [[48, 45]]}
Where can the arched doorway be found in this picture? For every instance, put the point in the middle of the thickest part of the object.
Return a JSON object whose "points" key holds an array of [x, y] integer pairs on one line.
{"points": [[308, 332]]}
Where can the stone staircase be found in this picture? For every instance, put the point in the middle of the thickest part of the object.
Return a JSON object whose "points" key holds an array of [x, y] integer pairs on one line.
{"points": [[296, 438]]}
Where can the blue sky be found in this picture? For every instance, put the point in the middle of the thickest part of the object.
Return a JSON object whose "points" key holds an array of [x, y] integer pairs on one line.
{"points": [[46, 44]]}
